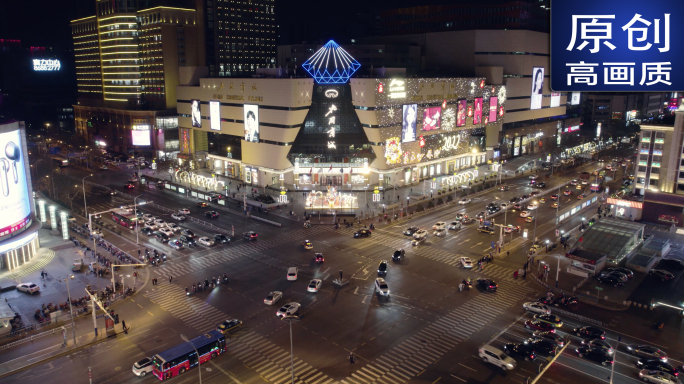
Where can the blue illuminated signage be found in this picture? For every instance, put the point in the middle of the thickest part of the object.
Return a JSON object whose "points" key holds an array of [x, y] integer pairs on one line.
{"points": [[612, 45]]}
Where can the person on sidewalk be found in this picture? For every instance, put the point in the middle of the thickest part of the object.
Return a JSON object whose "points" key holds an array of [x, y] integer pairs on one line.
{"points": [[351, 358], [123, 324], [170, 278]]}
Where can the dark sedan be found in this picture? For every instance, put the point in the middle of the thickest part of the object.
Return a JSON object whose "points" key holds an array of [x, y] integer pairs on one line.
{"points": [[398, 255], [410, 231], [610, 280], [599, 355], [250, 236], [538, 325], [362, 233], [222, 239], [657, 365], [211, 214], [487, 284], [661, 274], [544, 346], [147, 231], [647, 352], [590, 332], [526, 351], [626, 271]]}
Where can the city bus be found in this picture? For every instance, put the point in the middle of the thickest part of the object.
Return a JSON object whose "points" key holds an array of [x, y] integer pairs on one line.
{"points": [[124, 218], [182, 357], [60, 160]]}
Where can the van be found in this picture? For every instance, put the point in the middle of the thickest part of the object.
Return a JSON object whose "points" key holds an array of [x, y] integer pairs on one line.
{"points": [[77, 265], [292, 273], [497, 357]]}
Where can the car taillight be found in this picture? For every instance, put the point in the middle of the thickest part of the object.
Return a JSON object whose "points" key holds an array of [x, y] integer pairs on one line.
{"points": [[531, 357], [553, 331], [603, 337]]}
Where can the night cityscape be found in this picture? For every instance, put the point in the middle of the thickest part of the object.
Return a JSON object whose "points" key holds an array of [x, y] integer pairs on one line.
{"points": [[176, 171]]}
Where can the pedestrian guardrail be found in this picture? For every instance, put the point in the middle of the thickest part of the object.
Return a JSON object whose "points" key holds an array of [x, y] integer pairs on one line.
{"points": [[579, 317], [266, 221]]}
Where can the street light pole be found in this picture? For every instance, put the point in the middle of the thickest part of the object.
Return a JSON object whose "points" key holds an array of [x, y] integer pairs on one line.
{"points": [[199, 364], [534, 235], [85, 205], [558, 270], [135, 212], [290, 320], [71, 310]]}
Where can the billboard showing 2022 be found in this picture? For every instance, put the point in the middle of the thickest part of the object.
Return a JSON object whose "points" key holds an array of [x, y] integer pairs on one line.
{"points": [[610, 45]]}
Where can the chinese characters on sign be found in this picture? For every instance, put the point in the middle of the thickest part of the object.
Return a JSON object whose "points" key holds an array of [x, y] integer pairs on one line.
{"points": [[46, 65], [331, 126], [611, 46]]}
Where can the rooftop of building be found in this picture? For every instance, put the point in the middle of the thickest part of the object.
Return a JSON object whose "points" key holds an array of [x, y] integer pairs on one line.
{"points": [[608, 237]]}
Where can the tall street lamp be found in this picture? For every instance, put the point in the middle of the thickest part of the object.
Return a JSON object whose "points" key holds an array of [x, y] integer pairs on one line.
{"points": [[85, 206], [290, 320], [71, 310], [534, 235], [199, 365]]}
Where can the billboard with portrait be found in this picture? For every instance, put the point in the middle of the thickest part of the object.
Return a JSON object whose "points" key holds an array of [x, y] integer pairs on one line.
{"points": [[408, 123], [195, 113], [432, 118], [493, 105], [215, 115], [462, 113], [537, 87], [555, 99], [477, 113], [251, 115], [140, 137], [15, 210]]}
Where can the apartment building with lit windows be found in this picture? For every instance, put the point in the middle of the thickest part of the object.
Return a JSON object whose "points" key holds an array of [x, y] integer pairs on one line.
{"points": [[129, 59]]}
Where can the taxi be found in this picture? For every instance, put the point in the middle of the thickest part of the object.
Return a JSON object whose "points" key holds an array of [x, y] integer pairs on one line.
{"points": [[529, 219], [554, 205], [307, 244], [542, 200], [229, 326], [551, 319]]}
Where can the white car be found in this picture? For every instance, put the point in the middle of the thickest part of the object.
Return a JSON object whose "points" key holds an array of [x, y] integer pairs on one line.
{"points": [[466, 262], [288, 309], [28, 288], [143, 367], [441, 232], [128, 208], [421, 233], [205, 241], [103, 167], [133, 180], [147, 217], [538, 308], [184, 211], [505, 205], [177, 216], [314, 285], [651, 376], [160, 222], [273, 297], [174, 227], [532, 207], [464, 201], [292, 273], [381, 287], [455, 225], [151, 225], [525, 213], [166, 231], [439, 225]]}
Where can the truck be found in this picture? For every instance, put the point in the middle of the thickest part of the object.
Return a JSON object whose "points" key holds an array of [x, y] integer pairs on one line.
{"points": [[77, 265]]}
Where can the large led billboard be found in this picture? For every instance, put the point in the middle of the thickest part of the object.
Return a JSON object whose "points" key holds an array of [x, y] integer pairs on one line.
{"points": [[15, 210], [195, 113], [408, 123], [215, 115], [537, 87], [251, 115], [477, 114], [432, 118], [140, 136], [493, 104], [462, 113]]}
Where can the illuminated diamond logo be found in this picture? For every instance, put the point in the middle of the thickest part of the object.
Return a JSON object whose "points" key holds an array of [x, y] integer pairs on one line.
{"points": [[331, 65]]}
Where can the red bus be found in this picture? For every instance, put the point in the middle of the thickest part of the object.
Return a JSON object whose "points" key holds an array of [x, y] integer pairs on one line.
{"points": [[182, 357], [124, 218]]}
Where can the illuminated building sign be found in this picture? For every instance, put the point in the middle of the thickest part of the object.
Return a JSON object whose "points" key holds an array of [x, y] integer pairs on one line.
{"points": [[331, 126], [397, 89], [46, 65], [625, 203], [331, 64], [331, 93]]}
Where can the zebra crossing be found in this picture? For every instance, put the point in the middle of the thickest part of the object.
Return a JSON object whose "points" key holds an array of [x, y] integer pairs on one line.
{"points": [[272, 362], [418, 351], [232, 252], [189, 309]]}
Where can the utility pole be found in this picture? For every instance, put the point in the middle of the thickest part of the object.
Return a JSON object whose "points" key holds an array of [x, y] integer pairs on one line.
{"points": [[85, 206], [290, 320]]}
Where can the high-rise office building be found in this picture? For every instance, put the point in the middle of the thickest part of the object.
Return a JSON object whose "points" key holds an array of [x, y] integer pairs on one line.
{"points": [[240, 36], [129, 57]]}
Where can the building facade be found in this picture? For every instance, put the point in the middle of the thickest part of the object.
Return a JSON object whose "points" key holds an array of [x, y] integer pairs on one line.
{"points": [[129, 60], [240, 36]]}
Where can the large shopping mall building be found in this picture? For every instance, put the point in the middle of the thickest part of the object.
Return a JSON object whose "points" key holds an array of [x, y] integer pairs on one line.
{"points": [[328, 129]]}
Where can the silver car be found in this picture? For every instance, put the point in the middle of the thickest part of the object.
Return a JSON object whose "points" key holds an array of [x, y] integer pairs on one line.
{"points": [[143, 367], [658, 377], [273, 297], [381, 286]]}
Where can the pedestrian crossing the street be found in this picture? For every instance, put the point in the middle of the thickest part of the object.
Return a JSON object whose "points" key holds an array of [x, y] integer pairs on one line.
{"points": [[189, 309], [272, 362], [417, 352]]}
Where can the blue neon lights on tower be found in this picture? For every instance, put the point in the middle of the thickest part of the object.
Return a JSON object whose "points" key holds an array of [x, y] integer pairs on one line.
{"points": [[331, 64]]}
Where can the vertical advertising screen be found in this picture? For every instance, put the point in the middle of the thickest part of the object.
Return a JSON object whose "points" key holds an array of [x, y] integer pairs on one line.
{"points": [[575, 100], [251, 115], [537, 87], [493, 101], [432, 118], [15, 210], [462, 113], [555, 99], [140, 137], [516, 146], [195, 113], [408, 123], [215, 115], [477, 114]]}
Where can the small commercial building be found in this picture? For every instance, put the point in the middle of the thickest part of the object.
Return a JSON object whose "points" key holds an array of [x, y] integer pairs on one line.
{"points": [[585, 263]]}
